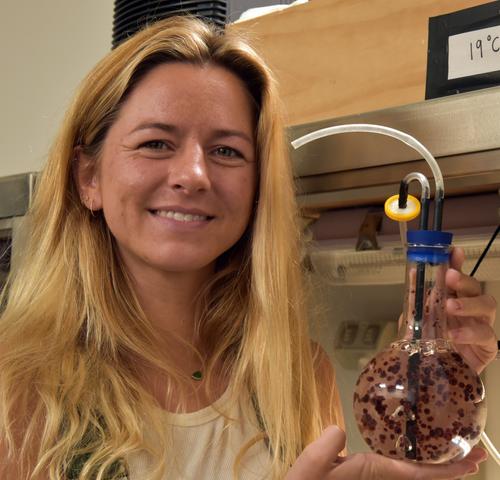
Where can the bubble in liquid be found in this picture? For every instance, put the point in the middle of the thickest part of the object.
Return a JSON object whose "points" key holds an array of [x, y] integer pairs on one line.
{"points": [[403, 445], [443, 423]]}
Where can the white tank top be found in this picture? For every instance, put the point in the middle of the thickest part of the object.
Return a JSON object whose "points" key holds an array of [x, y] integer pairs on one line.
{"points": [[206, 445]]}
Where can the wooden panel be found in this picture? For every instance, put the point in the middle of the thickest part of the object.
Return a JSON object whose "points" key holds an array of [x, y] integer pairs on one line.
{"points": [[342, 57]]}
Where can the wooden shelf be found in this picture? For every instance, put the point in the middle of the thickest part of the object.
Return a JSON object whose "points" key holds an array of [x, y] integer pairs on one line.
{"points": [[342, 57]]}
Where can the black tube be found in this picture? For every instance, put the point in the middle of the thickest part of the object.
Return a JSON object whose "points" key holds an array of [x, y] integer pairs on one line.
{"points": [[414, 359], [485, 251], [403, 194], [412, 420], [438, 211], [419, 301], [414, 363], [424, 215]]}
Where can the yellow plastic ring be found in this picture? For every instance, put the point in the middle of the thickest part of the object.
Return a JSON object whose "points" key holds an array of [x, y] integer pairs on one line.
{"points": [[392, 210]]}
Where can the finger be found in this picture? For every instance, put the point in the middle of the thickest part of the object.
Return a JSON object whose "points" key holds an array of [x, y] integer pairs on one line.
{"points": [[476, 333], [331, 442], [477, 454], [457, 258], [463, 285], [320, 456], [369, 466], [411, 471], [482, 307]]}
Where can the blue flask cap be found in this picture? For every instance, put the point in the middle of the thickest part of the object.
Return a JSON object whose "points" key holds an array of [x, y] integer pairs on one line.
{"points": [[429, 246]]}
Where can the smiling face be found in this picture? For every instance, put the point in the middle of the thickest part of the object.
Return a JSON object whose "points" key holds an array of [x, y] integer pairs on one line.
{"points": [[177, 173]]}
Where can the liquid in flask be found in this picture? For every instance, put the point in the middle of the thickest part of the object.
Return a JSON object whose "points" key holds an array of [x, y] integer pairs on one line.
{"points": [[418, 399]]}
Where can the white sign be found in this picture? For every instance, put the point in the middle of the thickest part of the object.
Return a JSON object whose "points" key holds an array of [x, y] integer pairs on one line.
{"points": [[472, 53]]}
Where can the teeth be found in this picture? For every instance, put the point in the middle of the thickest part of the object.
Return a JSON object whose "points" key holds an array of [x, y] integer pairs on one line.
{"points": [[181, 217]]}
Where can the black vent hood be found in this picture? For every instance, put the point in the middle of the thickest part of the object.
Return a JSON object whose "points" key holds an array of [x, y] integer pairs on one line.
{"points": [[131, 15]]}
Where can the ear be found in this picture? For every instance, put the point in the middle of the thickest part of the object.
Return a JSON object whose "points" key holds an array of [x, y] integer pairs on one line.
{"points": [[86, 176]]}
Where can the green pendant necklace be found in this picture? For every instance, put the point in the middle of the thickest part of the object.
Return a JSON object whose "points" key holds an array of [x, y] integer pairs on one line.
{"points": [[197, 375]]}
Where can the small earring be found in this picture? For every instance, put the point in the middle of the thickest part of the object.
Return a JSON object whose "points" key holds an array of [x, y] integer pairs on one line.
{"points": [[88, 200]]}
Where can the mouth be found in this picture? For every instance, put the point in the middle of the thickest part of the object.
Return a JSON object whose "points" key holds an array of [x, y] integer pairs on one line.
{"points": [[182, 216]]}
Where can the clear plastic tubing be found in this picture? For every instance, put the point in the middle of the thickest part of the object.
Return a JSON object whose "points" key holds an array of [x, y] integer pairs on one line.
{"points": [[491, 448], [426, 194], [381, 130], [424, 183]]}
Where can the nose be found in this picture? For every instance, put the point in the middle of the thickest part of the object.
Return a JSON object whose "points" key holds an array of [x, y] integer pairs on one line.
{"points": [[188, 169]]}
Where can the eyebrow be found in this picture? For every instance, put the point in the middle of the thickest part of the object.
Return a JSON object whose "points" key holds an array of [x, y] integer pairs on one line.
{"points": [[158, 125], [173, 129], [233, 133]]}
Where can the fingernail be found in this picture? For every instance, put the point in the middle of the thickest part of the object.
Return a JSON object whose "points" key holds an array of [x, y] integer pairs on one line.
{"points": [[484, 456]]}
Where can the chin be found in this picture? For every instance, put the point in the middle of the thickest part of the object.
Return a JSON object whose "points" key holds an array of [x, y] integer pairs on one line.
{"points": [[182, 264], [188, 257], [188, 267]]}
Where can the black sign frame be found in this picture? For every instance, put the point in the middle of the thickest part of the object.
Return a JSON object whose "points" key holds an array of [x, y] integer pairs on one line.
{"points": [[440, 29]]}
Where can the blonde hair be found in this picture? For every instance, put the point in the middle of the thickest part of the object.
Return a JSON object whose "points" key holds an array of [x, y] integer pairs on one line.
{"points": [[71, 319]]}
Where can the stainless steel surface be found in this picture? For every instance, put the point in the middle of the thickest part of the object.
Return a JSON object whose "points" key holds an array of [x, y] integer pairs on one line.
{"points": [[6, 227], [378, 194], [446, 126], [364, 195], [16, 194], [461, 131], [484, 164]]}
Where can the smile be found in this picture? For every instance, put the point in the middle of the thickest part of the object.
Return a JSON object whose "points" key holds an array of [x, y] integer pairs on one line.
{"points": [[181, 217]]}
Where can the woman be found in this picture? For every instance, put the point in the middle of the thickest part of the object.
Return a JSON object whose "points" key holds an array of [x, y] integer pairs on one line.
{"points": [[156, 327]]}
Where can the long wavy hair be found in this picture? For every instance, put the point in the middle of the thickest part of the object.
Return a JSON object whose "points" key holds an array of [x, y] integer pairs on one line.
{"points": [[69, 394]]}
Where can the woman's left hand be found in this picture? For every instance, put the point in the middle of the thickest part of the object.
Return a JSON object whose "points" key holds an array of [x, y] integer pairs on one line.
{"points": [[471, 315]]}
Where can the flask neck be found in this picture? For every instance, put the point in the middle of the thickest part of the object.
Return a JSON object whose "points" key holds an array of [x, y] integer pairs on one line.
{"points": [[424, 314]]}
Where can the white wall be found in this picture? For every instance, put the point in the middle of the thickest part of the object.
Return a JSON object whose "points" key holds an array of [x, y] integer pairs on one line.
{"points": [[46, 48]]}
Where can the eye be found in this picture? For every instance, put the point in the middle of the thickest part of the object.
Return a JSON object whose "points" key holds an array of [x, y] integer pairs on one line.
{"points": [[228, 152], [154, 145]]}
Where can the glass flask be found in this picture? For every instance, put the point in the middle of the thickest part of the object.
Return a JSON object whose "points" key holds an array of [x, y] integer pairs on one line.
{"points": [[418, 399]]}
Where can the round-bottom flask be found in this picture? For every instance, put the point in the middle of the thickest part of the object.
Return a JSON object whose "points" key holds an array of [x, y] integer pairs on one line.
{"points": [[418, 399]]}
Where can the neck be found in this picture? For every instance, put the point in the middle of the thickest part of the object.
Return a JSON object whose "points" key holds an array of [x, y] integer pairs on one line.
{"points": [[169, 299]]}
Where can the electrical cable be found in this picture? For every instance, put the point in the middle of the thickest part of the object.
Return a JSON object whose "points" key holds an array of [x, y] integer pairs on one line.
{"points": [[485, 251]]}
